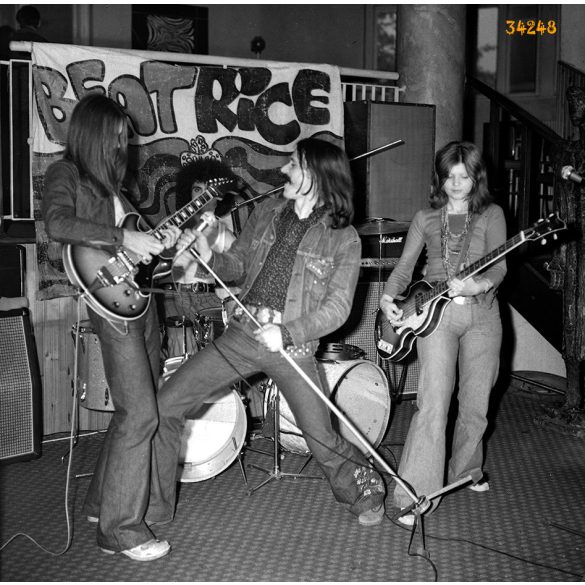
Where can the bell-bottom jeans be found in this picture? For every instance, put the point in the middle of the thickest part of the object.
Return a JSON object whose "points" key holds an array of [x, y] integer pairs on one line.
{"points": [[119, 490], [470, 336], [210, 372]]}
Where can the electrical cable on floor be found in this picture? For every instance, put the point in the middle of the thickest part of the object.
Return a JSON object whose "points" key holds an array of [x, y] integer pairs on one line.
{"points": [[89, 434], [72, 440], [509, 555]]}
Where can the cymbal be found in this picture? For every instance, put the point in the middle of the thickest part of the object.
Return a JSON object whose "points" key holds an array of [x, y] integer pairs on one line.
{"points": [[380, 225]]}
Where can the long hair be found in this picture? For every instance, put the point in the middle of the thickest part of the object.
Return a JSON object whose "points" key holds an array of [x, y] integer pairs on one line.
{"points": [[199, 171], [469, 154], [97, 142], [331, 174]]}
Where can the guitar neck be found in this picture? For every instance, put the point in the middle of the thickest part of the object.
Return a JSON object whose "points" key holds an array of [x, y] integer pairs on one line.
{"points": [[178, 218], [183, 215], [477, 266]]}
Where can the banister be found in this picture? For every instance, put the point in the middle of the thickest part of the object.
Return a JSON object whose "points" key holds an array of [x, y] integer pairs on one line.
{"points": [[26, 47], [518, 112]]}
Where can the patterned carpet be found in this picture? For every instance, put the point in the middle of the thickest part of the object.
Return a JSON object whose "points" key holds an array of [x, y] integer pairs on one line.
{"points": [[529, 527]]}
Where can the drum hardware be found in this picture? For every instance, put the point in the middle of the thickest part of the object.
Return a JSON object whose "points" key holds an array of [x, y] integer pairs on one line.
{"points": [[339, 352], [276, 471], [381, 226]]}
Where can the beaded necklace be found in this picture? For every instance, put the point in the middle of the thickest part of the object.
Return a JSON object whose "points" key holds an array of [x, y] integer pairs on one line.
{"points": [[447, 236]]}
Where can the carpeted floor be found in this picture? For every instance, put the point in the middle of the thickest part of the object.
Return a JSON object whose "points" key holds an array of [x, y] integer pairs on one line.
{"points": [[529, 527]]}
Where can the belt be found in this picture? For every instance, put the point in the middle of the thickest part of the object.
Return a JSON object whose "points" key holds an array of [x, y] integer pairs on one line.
{"points": [[195, 287], [465, 300], [263, 315]]}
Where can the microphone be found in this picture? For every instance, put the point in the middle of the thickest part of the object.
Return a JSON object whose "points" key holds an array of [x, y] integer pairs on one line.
{"points": [[205, 221], [568, 174]]}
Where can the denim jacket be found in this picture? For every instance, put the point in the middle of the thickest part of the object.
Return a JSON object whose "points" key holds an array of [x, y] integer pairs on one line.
{"points": [[324, 275], [74, 213]]}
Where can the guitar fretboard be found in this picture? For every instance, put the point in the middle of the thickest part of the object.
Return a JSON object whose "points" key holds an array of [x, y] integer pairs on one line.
{"points": [[183, 215], [474, 268]]}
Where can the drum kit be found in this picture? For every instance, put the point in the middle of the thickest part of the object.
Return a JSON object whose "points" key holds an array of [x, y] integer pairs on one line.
{"points": [[215, 436]]}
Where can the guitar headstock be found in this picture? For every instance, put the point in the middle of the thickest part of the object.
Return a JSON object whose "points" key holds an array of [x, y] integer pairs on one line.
{"points": [[214, 184], [545, 227]]}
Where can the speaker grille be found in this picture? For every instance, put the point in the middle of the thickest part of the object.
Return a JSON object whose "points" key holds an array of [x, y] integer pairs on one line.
{"points": [[18, 390], [359, 330]]}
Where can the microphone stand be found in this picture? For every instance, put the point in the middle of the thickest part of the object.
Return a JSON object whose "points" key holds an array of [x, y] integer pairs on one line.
{"points": [[363, 155], [313, 386]]}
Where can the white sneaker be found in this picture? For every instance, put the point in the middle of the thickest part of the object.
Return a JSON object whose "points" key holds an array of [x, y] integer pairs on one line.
{"points": [[149, 551], [407, 519], [480, 486]]}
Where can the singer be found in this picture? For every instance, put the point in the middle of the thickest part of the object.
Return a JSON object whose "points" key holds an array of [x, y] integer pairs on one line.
{"points": [[300, 257], [82, 204]]}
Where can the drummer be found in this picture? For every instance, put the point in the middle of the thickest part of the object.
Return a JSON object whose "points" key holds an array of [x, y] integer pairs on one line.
{"points": [[190, 288]]}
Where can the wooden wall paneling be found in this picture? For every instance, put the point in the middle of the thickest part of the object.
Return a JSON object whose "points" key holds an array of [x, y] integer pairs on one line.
{"points": [[52, 323]]}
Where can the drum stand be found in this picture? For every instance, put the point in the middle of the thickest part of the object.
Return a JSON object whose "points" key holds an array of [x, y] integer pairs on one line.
{"points": [[276, 472]]}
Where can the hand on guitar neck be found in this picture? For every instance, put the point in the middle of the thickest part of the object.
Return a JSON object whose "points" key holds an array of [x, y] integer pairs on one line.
{"points": [[146, 245]]}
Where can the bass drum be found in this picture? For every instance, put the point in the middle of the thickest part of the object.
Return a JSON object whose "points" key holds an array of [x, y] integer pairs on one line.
{"points": [[213, 437], [359, 389]]}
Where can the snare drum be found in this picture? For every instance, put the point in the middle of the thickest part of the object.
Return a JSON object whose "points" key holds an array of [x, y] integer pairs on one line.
{"points": [[213, 438], [94, 392], [359, 389]]}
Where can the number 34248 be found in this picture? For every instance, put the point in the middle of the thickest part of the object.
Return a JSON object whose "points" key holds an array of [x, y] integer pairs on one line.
{"points": [[530, 27]]}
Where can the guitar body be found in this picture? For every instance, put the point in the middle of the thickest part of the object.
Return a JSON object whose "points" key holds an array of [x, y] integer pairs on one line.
{"points": [[110, 283], [424, 305], [394, 343]]}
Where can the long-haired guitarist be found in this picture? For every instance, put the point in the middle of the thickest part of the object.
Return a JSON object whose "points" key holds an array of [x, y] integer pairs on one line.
{"points": [[461, 225], [83, 205]]}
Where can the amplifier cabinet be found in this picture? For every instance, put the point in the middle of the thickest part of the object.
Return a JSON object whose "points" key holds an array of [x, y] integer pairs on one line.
{"points": [[20, 389], [359, 331], [394, 183]]}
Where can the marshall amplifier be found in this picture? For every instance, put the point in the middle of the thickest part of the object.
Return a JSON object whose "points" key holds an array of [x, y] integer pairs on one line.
{"points": [[384, 245]]}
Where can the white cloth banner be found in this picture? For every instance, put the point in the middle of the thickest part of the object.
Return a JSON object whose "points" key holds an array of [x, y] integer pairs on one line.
{"points": [[249, 117]]}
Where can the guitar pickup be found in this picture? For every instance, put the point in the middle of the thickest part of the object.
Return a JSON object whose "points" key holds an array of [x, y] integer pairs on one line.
{"points": [[105, 277], [385, 346]]}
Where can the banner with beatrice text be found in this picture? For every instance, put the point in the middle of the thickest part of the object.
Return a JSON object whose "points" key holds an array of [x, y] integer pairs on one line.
{"points": [[248, 117]]}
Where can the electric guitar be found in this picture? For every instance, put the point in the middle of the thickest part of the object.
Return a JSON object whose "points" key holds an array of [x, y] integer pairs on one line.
{"points": [[112, 283], [424, 305]]}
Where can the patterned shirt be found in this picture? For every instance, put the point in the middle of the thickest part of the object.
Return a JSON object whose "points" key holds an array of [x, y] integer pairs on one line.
{"points": [[271, 285]]}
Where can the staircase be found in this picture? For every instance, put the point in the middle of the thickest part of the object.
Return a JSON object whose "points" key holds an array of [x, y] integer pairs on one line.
{"points": [[520, 152]]}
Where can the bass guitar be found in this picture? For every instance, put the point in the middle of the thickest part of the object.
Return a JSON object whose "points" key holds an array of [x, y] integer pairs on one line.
{"points": [[424, 305], [112, 284]]}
